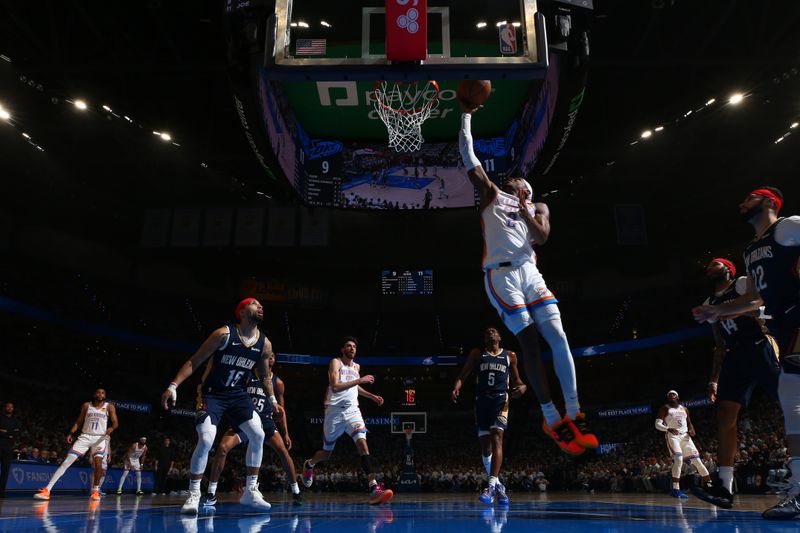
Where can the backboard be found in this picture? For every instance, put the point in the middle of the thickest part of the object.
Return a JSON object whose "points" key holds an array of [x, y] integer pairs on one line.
{"points": [[417, 422], [315, 40]]}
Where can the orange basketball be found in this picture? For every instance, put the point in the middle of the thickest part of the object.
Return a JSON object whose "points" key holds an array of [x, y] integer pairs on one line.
{"points": [[474, 92]]}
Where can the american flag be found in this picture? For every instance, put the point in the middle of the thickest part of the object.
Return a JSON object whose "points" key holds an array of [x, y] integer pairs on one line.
{"points": [[308, 47]]}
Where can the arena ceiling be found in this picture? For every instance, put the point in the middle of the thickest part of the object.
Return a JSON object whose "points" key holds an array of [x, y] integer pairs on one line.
{"points": [[164, 65]]}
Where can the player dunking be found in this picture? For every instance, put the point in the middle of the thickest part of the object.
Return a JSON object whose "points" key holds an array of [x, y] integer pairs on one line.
{"points": [[343, 415], [232, 438], [673, 419], [744, 356], [511, 225], [134, 459], [773, 279], [496, 367], [93, 420], [232, 352]]}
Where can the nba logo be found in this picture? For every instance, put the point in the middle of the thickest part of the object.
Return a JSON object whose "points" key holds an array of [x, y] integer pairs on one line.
{"points": [[508, 39]]}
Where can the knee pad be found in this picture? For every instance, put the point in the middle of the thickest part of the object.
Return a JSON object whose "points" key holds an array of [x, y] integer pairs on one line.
{"points": [[206, 431], [255, 441]]}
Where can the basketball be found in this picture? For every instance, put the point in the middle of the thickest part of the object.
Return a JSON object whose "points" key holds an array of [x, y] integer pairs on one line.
{"points": [[474, 92]]}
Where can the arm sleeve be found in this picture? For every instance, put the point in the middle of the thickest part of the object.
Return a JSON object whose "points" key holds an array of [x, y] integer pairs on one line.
{"points": [[660, 425], [741, 285], [465, 143], [788, 231]]}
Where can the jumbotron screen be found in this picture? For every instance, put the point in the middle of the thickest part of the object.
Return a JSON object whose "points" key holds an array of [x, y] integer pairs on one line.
{"points": [[407, 282]]}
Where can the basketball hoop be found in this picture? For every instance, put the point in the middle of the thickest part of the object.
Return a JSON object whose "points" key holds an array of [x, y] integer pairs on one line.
{"points": [[403, 107]]}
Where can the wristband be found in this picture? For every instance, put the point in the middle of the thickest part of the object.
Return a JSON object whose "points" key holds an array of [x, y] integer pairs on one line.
{"points": [[273, 399], [172, 386]]}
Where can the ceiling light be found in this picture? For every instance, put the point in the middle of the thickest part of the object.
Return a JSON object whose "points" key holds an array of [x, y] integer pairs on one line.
{"points": [[735, 98], [107, 108], [502, 23], [323, 23], [166, 137], [516, 24], [711, 101], [303, 24], [793, 126], [26, 135], [80, 104], [5, 115], [293, 24], [659, 128], [480, 25], [646, 134]]}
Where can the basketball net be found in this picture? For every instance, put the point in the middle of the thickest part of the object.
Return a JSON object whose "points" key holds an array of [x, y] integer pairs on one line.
{"points": [[409, 433], [403, 107]]}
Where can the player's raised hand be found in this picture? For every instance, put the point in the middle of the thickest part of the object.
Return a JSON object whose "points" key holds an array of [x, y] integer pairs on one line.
{"points": [[378, 400], [467, 107], [367, 380], [519, 390]]}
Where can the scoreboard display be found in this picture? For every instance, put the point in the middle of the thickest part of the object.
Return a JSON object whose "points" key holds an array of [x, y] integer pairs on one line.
{"points": [[407, 282]]}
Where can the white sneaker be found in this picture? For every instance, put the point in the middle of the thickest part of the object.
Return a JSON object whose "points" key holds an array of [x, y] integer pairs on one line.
{"points": [[253, 498], [192, 503]]}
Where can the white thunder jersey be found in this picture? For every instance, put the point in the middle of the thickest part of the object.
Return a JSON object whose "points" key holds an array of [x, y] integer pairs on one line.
{"points": [[676, 419], [506, 238], [137, 452], [96, 421], [348, 397]]}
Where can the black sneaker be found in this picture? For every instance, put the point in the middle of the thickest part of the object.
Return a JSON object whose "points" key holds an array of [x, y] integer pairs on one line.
{"points": [[209, 500], [788, 509], [298, 499], [714, 495]]}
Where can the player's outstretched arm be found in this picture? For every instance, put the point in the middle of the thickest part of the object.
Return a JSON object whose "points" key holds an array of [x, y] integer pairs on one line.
{"points": [[265, 374], [112, 415], [487, 191], [206, 350], [366, 394], [466, 370], [720, 349], [746, 303], [78, 422], [518, 388]]}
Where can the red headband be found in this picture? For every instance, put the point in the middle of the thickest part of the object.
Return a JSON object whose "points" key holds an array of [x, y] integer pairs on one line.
{"points": [[766, 193], [241, 306], [729, 265]]}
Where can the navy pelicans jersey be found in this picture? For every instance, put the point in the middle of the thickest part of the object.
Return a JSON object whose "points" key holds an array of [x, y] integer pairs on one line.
{"points": [[261, 403], [774, 269], [230, 367], [742, 329], [492, 378]]}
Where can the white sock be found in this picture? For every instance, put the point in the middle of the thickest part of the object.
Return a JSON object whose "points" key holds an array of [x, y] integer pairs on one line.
{"points": [[96, 488], [102, 480], [295, 488], [572, 406], [726, 477], [487, 464], [252, 482], [372, 482], [194, 485], [212, 487], [138, 481], [71, 458], [676, 485], [122, 479], [551, 414], [492, 481]]}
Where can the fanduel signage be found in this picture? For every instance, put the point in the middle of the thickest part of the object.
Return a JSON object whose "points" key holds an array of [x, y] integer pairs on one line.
{"points": [[24, 476], [626, 411]]}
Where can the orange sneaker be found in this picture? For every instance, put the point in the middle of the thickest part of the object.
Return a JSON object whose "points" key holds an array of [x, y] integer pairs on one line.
{"points": [[43, 494], [95, 497], [380, 495], [563, 435], [583, 435]]}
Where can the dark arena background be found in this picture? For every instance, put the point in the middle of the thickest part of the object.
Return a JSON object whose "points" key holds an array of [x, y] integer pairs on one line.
{"points": [[162, 160]]}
